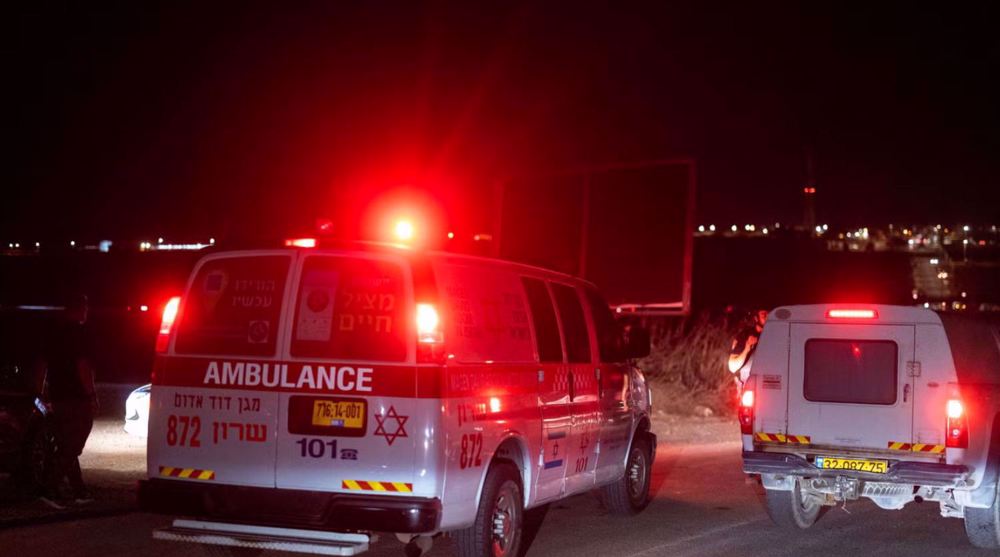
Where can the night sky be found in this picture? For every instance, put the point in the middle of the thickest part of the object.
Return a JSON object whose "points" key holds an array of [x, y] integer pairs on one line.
{"points": [[226, 120]]}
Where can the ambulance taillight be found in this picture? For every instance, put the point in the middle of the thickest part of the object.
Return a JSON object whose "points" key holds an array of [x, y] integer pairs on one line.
{"points": [[430, 335], [957, 436], [167, 324], [746, 410]]}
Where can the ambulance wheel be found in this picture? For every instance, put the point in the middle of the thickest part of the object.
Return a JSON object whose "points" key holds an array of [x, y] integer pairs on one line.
{"points": [[630, 494], [982, 526], [499, 525], [793, 509]]}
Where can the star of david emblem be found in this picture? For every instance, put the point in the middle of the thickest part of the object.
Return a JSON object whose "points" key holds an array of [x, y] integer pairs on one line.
{"points": [[400, 430]]}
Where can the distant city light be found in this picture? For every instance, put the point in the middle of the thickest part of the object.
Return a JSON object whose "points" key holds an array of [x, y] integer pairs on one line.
{"points": [[734, 228], [764, 231], [451, 235], [711, 228], [72, 243], [964, 295], [143, 307], [825, 228], [934, 261], [159, 240], [700, 229], [965, 228], [747, 227], [38, 244], [211, 241]]}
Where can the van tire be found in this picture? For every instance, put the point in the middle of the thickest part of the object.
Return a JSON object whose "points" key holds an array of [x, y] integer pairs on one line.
{"points": [[788, 509], [502, 500], [982, 526], [630, 494]]}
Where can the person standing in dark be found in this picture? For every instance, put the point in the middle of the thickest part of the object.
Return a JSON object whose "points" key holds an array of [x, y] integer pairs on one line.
{"points": [[74, 399]]}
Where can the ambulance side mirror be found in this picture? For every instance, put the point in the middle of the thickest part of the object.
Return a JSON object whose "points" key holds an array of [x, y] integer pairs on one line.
{"points": [[637, 341]]}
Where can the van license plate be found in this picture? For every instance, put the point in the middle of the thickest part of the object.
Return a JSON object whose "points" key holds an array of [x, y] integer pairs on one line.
{"points": [[858, 464], [346, 414]]}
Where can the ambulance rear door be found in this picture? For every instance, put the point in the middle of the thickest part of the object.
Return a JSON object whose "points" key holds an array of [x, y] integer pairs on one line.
{"points": [[352, 420], [211, 419]]}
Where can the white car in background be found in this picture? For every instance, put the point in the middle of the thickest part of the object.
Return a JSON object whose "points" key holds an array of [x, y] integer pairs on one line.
{"points": [[137, 412]]}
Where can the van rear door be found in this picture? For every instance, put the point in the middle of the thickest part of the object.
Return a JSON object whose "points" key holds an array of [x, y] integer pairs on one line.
{"points": [[351, 421], [210, 418], [849, 386]]}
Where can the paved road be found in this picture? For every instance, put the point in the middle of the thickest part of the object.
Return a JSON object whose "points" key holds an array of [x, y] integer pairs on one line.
{"points": [[702, 506]]}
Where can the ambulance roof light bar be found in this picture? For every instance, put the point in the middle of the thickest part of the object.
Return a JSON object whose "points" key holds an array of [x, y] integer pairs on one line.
{"points": [[300, 242], [852, 313]]}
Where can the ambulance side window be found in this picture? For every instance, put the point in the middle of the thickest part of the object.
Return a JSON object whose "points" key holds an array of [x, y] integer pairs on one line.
{"points": [[573, 322], [605, 326], [233, 307], [544, 319]]}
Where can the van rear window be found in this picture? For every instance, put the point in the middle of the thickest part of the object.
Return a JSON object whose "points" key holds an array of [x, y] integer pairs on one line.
{"points": [[851, 371], [233, 307], [351, 309]]}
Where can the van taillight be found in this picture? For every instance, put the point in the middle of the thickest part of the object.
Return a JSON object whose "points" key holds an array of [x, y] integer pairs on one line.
{"points": [[430, 336], [167, 323], [746, 410], [957, 436], [852, 314]]}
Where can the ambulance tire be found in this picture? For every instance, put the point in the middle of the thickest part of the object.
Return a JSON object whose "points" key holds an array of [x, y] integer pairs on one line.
{"points": [[630, 494], [788, 509], [499, 527], [982, 526]]}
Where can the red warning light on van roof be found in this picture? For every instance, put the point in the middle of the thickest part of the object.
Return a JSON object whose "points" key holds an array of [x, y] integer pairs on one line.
{"points": [[301, 242], [852, 314]]}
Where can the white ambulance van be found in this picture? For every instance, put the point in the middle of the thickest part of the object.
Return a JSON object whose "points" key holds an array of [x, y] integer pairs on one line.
{"points": [[305, 399], [894, 404]]}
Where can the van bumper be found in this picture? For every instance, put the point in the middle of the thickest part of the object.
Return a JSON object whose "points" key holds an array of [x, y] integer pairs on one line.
{"points": [[290, 508], [914, 473]]}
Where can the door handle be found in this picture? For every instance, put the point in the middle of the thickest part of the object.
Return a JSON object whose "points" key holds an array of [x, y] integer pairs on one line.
{"points": [[906, 392], [572, 387]]}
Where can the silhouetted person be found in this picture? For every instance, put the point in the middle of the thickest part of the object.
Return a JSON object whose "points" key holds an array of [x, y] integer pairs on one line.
{"points": [[74, 400], [743, 347]]}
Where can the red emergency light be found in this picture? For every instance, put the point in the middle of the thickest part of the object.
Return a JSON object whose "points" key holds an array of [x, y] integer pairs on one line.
{"points": [[852, 314], [301, 242], [167, 324]]}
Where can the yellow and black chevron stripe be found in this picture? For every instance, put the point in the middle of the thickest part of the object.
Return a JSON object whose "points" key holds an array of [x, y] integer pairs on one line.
{"points": [[916, 447], [187, 473], [782, 438], [361, 485]]}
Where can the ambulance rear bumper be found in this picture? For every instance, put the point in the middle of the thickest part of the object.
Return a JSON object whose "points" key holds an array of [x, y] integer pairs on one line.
{"points": [[290, 508], [913, 473]]}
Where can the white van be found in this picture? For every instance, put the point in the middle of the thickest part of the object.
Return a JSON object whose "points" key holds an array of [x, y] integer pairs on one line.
{"points": [[303, 399], [895, 404]]}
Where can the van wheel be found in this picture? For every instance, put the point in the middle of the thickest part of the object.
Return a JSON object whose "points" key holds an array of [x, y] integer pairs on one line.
{"points": [[794, 510], [497, 531], [982, 526], [630, 494]]}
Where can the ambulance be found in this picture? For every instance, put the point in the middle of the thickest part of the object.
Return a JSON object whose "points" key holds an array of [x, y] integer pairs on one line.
{"points": [[893, 404], [307, 399]]}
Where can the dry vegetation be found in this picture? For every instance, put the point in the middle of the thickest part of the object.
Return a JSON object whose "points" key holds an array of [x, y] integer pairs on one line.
{"points": [[687, 366]]}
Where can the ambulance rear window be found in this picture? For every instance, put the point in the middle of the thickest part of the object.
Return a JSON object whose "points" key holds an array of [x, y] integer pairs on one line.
{"points": [[233, 307], [851, 371], [350, 309]]}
